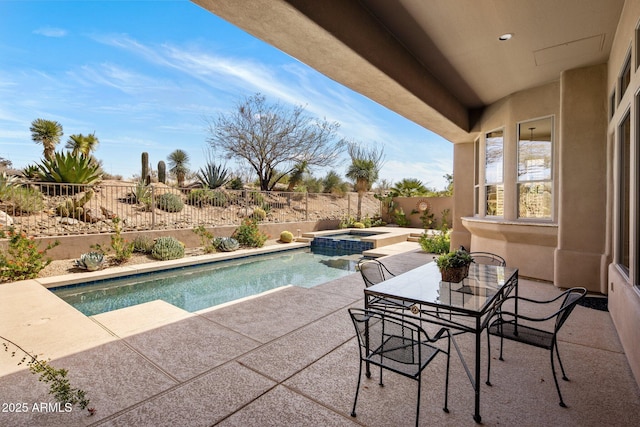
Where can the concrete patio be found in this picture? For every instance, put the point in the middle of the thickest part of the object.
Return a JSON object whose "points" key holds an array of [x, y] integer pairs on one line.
{"points": [[289, 358]]}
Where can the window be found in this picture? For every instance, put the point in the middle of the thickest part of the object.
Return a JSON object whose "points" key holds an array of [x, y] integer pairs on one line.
{"points": [[493, 174], [625, 77], [476, 177], [624, 195], [535, 149], [612, 104]]}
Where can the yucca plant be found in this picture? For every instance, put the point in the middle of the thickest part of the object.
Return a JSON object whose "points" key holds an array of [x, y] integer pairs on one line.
{"points": [[213, 176], [70, 169]]}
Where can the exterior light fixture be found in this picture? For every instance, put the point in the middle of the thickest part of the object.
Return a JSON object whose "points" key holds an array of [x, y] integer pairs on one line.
{"points": [[505, 37]]}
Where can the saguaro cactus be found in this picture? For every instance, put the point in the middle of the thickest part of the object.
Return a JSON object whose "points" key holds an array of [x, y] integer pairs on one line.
{"points": [[145, 166], [162, 172]]}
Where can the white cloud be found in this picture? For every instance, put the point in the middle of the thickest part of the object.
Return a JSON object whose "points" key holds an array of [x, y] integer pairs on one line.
{"points": [[50, 32]]}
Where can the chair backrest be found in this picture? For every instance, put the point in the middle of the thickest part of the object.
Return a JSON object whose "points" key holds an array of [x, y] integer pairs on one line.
{"points": [[373, 272], [390, 341], [571, 299], [488, 258]]}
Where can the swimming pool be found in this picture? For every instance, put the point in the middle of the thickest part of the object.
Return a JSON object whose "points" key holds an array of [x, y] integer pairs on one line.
{"points": [[198, 287], [350, 241]]}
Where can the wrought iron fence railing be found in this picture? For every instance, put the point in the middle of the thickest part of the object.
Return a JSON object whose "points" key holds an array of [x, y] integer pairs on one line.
{"points": [[44, 209]]}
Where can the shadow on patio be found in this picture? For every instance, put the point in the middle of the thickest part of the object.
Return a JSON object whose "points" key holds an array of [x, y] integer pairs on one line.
{"points": [[289, 357]]}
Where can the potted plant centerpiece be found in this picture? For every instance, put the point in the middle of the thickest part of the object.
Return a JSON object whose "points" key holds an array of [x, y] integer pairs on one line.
{"points": [[454, 266]]}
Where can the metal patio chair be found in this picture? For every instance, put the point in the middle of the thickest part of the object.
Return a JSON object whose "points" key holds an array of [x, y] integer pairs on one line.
{"points": [[374, 272], [488, 258], [398, 345], [520, 328]]}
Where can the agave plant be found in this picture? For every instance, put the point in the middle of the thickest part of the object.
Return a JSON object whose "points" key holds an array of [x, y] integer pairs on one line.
{"points": [[67, 168], [91, 261], [213, 176], [226, 244]]}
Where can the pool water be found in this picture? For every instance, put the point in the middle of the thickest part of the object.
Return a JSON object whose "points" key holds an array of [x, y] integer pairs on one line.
{"points": [[196, 288]]}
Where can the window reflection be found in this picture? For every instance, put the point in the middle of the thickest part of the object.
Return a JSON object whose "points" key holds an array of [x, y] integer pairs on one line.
{"points": [[535, 172]]}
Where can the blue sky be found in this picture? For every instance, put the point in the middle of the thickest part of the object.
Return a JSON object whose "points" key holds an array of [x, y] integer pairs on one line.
{"points": [[145, 75]]}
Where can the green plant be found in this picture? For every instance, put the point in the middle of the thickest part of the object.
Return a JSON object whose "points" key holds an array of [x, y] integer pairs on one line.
{"points": [[59, 385], [141, 193], [204, 196], [286, 237], [347, 222], [73, 207], [22, 260], [248, 234], [428, 218], [259, 214], [167, 247], [366, 221], [358, 224], [438, 243], [256, 198], [90, 261], [144, 158], [235, 184], [453, 259], [143, 244], [206, 239], [67, 168], [445, 218], [213, 176], [21, 200], [30, 171], [169, 202], [400, 218], [226, 244], [162, 172], [120, 246]]}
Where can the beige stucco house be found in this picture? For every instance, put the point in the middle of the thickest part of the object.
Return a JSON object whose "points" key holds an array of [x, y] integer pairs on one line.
{"points": [[541, 100]]}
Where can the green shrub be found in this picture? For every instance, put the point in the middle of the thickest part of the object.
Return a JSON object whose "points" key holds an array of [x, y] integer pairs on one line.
{"points": [[22, 260], [259, 214], [358, 225], [248, 234], [439, 243], [205, 197], [167, 247], [206, 239], [256, 198], [169, 202], [286, 237], [143, 244], [21, 200], [235, 184]]}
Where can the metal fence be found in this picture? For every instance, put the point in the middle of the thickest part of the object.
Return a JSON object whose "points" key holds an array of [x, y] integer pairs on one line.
{"points": [[43, 209]]}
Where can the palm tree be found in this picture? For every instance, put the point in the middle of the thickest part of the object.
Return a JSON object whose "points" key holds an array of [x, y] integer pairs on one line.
{"points": [[178, 161], [47, 133], [409, 187], [80, 144], [364, 169]]}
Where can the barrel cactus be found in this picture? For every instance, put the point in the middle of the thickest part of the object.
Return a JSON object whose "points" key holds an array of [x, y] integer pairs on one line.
{"points": [[226, 244], [169, 202], [91, 261], [286, 237], [167, 247]]}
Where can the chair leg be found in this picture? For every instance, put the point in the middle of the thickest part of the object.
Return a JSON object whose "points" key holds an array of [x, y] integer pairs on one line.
{"points": [[555, 379], [355, 400], [488, 382], [564, 375], [418, 403], [446, 379]]}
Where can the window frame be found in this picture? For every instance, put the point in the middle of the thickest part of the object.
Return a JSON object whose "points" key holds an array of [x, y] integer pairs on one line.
{"points": [[499, 185], [550, 180]]}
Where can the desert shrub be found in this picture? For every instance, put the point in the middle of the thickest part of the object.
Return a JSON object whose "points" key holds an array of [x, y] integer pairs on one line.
{"points": [[256, 198], [206, 239], [358, 224], [248, 234], [438, 243], [143, 244], [259, 214], [204, 197], [22, 260], [235, 184], [286, 237], [169, 202], [21, 200], [167, 247]]}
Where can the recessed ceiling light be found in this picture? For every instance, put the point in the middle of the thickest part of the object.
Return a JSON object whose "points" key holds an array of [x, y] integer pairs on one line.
{"points": [[505, 37]]}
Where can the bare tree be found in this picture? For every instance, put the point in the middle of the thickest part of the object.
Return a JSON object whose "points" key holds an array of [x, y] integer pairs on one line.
{"points": [[273, 139]]}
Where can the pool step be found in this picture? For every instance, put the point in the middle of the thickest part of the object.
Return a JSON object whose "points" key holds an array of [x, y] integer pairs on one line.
{"points": [[303, 239], [414, 237]]}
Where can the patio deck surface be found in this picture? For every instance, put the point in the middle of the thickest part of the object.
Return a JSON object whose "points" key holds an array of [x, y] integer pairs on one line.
{"points": [[289, 358]]}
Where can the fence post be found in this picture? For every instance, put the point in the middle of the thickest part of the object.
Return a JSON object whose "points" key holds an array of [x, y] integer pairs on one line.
{"points": [[348, 205], [306, 206], [153, 208]]}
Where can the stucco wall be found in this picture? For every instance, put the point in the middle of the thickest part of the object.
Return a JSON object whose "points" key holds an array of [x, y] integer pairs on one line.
{"points": [[436, 206]]}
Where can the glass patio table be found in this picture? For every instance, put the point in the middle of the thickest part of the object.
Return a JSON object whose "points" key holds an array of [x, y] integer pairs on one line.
{"points": [[464, 307]]}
